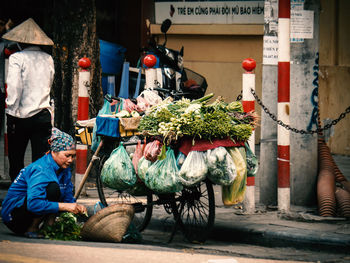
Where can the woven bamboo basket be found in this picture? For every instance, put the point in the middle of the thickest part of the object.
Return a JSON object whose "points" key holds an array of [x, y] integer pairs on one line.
{"points": [[109, 224]]}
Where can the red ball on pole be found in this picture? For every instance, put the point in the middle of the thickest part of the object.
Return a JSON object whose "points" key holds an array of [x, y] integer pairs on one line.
{"points": [[249, 64], [84, 62], [150, 61]]}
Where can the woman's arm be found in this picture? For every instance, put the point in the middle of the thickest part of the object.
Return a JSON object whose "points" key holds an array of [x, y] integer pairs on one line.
{"points": [[72, 207]]}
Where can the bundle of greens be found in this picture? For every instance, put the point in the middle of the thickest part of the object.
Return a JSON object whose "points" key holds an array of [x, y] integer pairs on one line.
{"points": [[65, 227], [199, 120]]}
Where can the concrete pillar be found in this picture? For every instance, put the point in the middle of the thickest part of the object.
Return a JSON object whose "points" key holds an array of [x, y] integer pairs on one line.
{"points": [[303, 74], [267, 172], [304, 85]]}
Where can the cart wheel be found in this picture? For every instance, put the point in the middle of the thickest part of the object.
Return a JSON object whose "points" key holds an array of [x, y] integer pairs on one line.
{"points": [[142, 204], [195, 211]]}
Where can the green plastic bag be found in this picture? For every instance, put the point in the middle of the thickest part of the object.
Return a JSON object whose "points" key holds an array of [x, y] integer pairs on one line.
{"points": [[106, 109], [118, 171], [162, 176], [142, 168], [252, 162]]}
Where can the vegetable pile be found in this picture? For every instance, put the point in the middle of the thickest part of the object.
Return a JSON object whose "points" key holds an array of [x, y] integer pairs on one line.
{"points": [[65, 227], [199, 120]]}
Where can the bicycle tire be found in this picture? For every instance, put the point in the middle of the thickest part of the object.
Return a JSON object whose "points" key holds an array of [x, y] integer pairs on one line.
{"points": [[195, 211], [143, 206]]}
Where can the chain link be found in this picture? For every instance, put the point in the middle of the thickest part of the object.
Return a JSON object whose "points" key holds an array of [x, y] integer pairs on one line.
{"points": [[239, 97], [288, 127]]}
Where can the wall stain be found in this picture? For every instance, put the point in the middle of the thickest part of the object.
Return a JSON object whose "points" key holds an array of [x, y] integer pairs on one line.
{"points": [[314, 96]]}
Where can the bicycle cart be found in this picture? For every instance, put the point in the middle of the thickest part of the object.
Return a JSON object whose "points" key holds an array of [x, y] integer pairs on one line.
{"points": [[193, 208]]}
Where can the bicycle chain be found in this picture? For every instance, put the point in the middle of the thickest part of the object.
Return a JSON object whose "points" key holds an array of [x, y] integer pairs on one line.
{"points": [[290, 128]]}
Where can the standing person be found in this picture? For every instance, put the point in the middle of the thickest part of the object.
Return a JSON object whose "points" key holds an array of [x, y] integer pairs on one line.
{"points": [[42, 189], [29, 80]]}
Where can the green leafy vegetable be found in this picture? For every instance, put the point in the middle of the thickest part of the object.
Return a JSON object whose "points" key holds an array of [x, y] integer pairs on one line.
{"points": [[199, 120], [65, 227]]}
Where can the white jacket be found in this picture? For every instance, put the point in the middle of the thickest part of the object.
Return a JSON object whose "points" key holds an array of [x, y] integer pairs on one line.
{"points": [[29, 79]]}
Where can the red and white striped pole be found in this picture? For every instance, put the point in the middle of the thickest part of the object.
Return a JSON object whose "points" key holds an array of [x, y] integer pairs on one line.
{"points": [[83, 114], [248, 102], [283, 135], [150, 73]]}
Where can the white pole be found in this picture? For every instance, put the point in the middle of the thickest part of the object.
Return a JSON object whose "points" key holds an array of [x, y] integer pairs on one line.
{"points": [[248, 102]]}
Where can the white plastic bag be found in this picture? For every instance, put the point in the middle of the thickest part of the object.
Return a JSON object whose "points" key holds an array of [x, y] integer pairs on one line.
{"points": [[194, 169], [222, 169], [151, 97]]}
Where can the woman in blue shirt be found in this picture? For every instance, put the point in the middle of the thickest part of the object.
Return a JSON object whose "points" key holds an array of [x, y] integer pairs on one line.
{"points": [[42, 189]]}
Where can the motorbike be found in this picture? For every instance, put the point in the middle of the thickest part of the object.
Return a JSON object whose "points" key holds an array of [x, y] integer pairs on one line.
{"points": [[176, 80]]}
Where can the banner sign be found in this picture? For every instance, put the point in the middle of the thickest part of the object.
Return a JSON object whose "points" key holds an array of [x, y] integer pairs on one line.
{"points": [[210, 12]]}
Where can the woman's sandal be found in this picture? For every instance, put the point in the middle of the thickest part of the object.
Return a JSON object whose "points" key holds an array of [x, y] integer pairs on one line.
{"points": [[35, 235]]}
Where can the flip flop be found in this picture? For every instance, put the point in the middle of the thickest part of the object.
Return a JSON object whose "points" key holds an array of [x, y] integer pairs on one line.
{"points": [[35, 235]]}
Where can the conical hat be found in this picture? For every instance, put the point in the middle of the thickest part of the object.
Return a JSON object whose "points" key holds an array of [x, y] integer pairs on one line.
{"points": [[28, 32]]}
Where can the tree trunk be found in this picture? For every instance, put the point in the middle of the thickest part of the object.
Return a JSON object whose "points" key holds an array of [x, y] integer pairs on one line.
{"points": [[74, 34]]}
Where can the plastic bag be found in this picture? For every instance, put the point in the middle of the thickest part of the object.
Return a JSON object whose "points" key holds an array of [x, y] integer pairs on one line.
{"points": [[132, 235], [129, 105], [137, 154], [142, 168], [162, 176], [152, 150], [130, 149], [142, 104], [106, 110], [234, 193], [180, 159], [252, 161], [151, 97], [118, 171], [222, 169], [194, 168]]}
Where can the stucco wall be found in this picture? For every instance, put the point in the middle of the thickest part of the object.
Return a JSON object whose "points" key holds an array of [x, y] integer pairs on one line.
{"points": [[334, 77]]}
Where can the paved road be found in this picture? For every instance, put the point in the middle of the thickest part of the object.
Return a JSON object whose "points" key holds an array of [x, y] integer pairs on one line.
{"points": [[154, 248], [47, 251]]}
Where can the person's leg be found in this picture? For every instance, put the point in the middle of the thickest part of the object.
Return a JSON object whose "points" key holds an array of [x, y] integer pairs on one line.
{"points": [[21, 219], [17, 144], [25, 222], [40, 134], [53, 193]]}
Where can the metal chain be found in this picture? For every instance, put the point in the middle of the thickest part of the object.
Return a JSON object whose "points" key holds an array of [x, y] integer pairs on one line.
{"points": [[239, 97], [288, 127]]}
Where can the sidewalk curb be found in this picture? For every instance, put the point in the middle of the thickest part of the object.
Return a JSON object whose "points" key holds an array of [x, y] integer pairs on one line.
{"points": [[281, 236], [269, 235]]}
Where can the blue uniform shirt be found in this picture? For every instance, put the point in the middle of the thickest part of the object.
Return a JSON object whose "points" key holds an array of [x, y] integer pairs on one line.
{"points": [[31, 182]]}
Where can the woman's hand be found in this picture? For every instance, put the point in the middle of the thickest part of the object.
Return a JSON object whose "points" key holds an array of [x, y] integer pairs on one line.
{"points": [[72, 207]]}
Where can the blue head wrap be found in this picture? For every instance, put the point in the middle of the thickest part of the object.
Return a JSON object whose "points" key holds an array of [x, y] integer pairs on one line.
{"points": [[61, 141]]}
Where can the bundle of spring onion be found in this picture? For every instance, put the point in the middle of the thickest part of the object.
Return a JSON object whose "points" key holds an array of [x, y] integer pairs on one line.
{"points": [[199, 120]]}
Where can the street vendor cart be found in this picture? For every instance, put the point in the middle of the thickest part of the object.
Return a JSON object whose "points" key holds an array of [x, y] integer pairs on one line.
{"points": [[179, 150]]}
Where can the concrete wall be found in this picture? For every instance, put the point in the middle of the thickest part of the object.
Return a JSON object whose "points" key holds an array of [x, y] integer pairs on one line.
{"points": [[334, 77], [303, 148], [217, 52]]}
